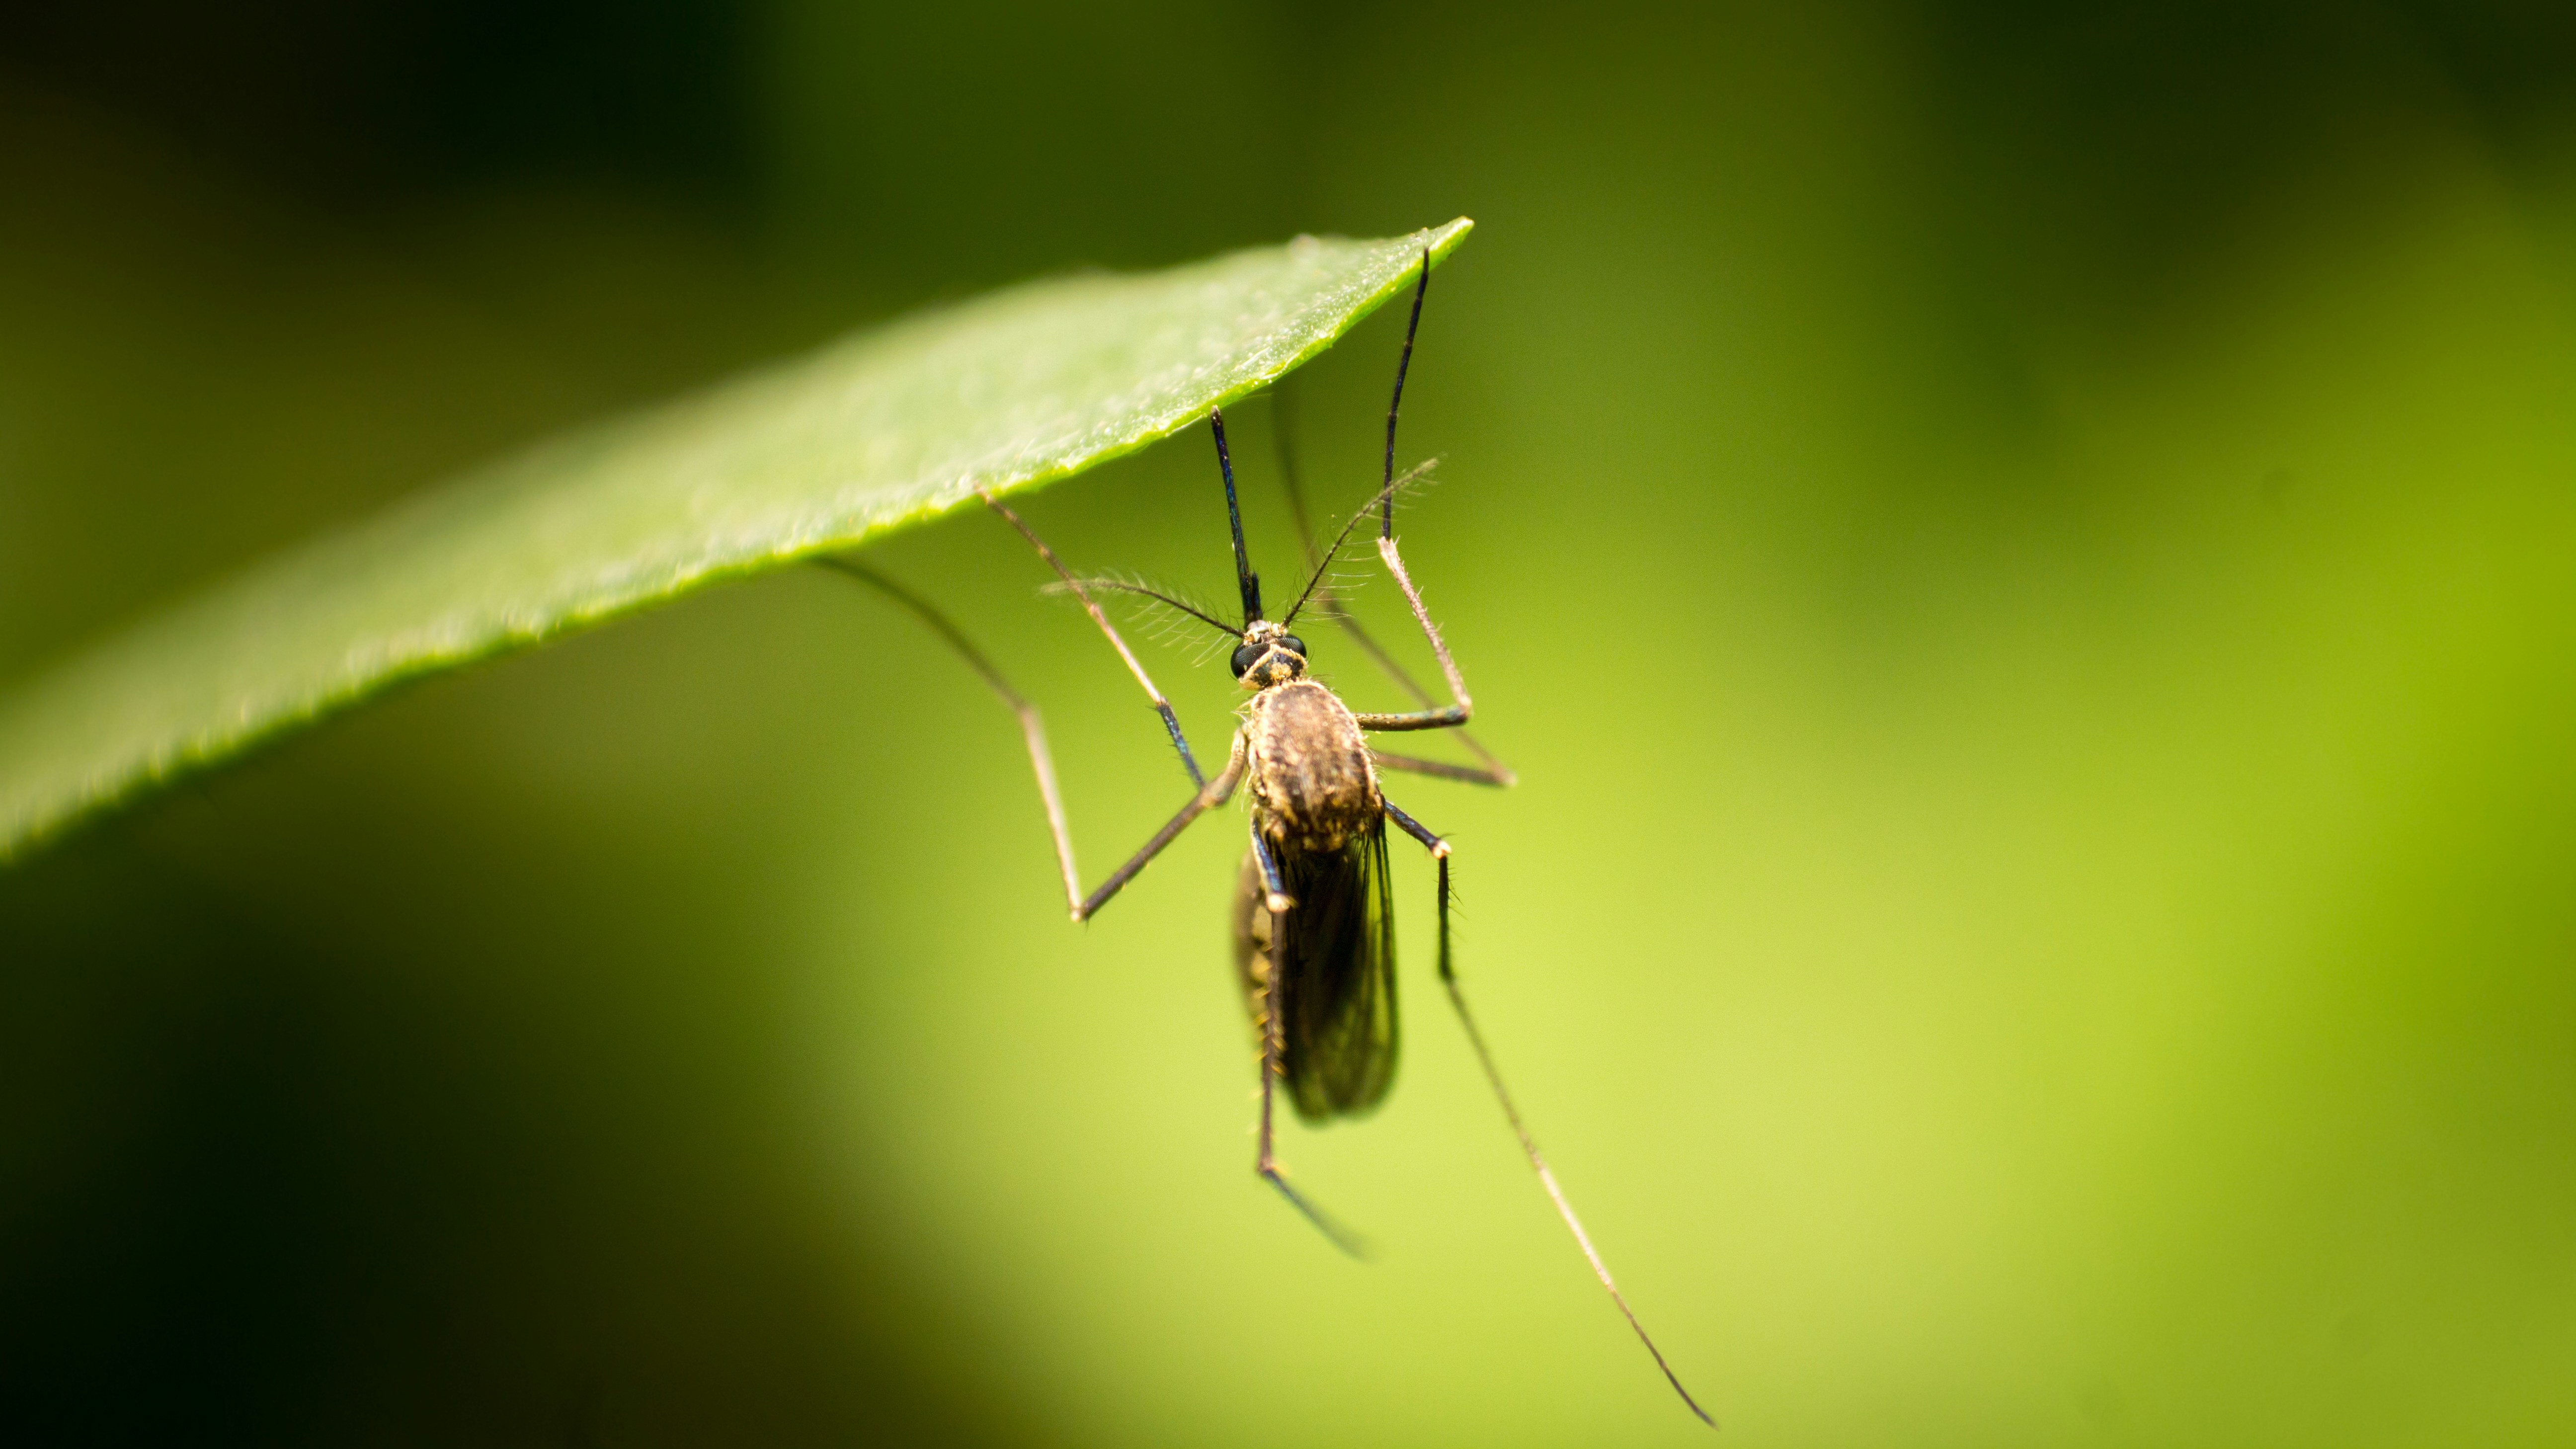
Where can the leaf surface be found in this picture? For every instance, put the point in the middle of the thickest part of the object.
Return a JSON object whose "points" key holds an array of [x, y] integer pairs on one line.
{"points": [[884, 428]]}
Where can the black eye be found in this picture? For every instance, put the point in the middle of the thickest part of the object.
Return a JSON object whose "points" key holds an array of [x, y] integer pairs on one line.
{"points": [[1244, 657], [1293, 645]]}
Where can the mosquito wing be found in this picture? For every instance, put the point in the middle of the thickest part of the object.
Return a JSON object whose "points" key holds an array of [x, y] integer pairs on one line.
{"points": [[1336, 962]]}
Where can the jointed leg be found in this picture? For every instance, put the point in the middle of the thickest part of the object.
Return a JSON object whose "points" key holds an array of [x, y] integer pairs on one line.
{"points": [[1032, 728], [1529, 1145], [1279, 903], [1214, 793], [1429, 719], [1162, 706], [1403, 364], [1439, 849], [1459, 712], [1274, 1059], [1442, 769], [1496, 773], [1042, 760]]}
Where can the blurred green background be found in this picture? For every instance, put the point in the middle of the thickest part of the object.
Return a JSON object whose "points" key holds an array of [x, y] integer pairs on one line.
{"points": [[2022, 553]]}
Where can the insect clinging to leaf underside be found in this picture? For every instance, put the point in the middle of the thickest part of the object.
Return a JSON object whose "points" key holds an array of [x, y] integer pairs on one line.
{"points": [[1312, 915]]}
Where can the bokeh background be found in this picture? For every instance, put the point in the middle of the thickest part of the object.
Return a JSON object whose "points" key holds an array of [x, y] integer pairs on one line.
{"points": [[2022, 552]]}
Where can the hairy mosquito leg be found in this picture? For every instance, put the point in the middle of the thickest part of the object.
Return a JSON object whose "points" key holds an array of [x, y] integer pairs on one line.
{"points": [[1440, 853], [1403, 363], [1162, 706], [1274, 1065], [1387, 550], [1281, 409], [1041, 758], [1442, 769], [1214, 793], [1279, 903], [1463, 707], [1439, 849], [1032, 727], [1429, 719]]}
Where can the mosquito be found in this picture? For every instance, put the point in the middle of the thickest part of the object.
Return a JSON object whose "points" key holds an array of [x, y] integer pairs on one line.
{"points": [[1313, 914]]}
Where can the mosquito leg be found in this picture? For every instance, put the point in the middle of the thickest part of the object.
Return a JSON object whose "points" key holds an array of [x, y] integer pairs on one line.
{"points": [[1281, 406], [1429, 718], [1442, 769], [1214, 793], [1439, 849], [1279, 903], [1495, 773], [1041, 759], [1274, 1058], [1440, 853], [1162, 706], [1403, 363], [1032, 727]]}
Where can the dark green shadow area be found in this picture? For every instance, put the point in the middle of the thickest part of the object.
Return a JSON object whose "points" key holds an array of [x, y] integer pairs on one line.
{"points": [[264, 1190]]}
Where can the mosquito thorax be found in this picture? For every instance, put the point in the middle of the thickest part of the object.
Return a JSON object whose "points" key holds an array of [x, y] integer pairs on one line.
{"points": [[1270, 656]]}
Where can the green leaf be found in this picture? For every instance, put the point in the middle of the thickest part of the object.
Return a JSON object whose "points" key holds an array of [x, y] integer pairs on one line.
{"points": [[881, 429]]}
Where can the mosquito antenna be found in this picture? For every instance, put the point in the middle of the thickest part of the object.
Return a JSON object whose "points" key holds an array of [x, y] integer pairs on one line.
{"points": [[1249, 581], [1386, 503], [1384, 496], [1123, 587], [1529, 1145]]}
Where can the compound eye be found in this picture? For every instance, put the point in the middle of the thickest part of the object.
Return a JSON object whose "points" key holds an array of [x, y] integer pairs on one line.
{"points": [[1245, 657], [1293, 645]]}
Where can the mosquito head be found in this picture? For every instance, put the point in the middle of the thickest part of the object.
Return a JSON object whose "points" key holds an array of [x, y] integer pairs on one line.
{"points": [[1270, 655]]}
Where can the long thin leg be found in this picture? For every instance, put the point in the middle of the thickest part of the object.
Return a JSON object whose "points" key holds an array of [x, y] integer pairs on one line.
{"points": [[1279, 902], [1162, 706], [1212, 794], [1442, 769], [1496, 772], [1274, 1055], [1429, 718], [1403, 363], [1032, 727], [1439, 849], [1042, 760]]}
